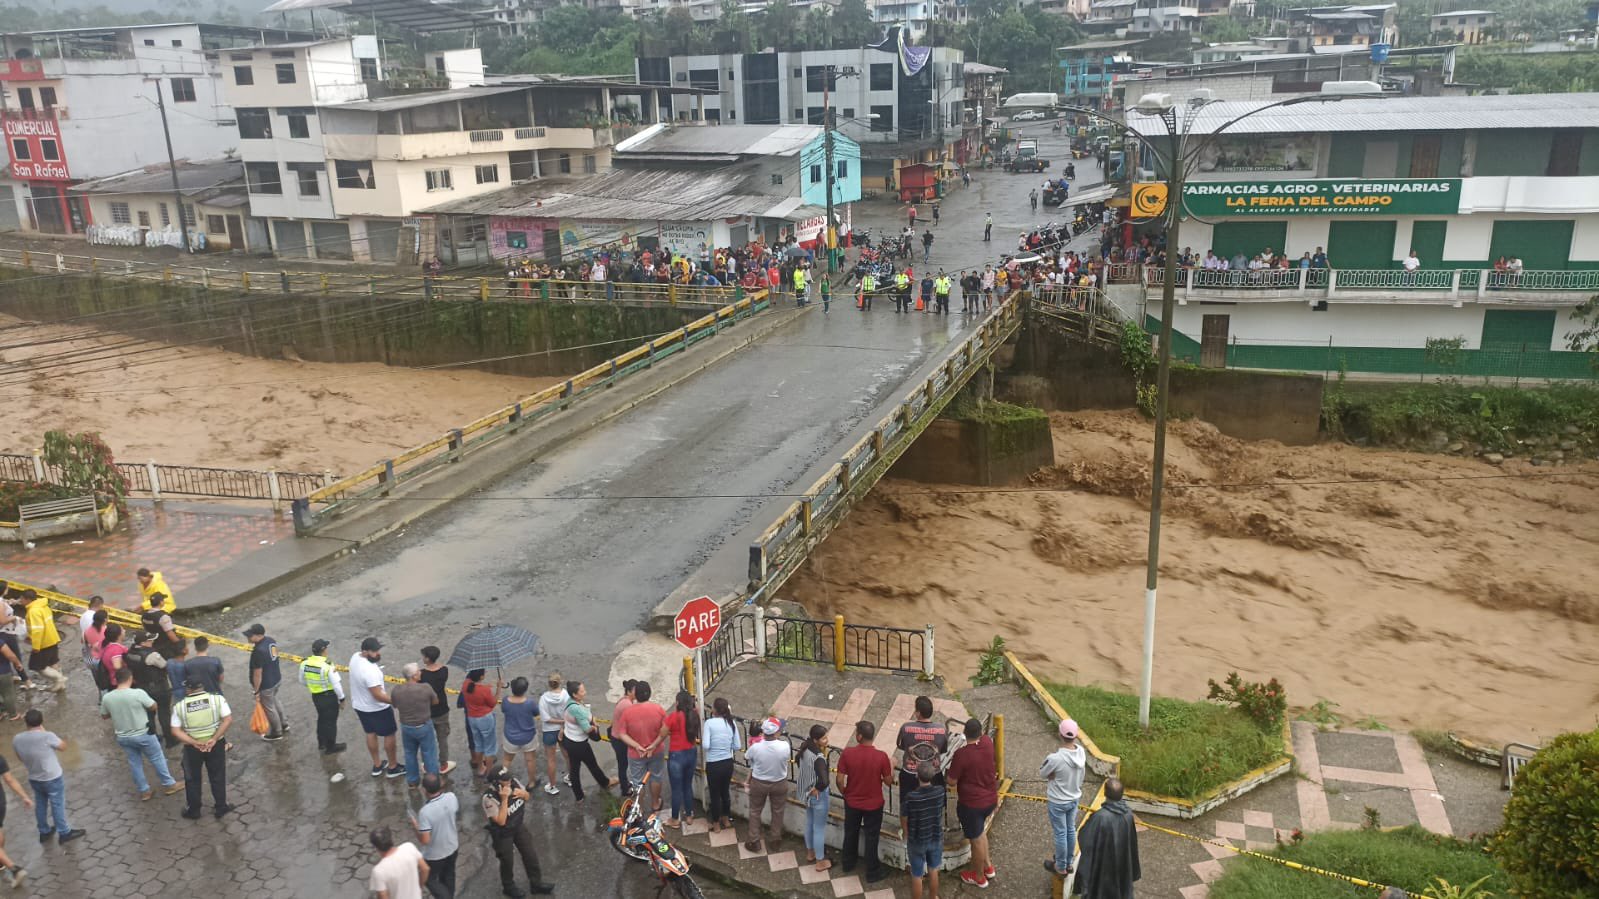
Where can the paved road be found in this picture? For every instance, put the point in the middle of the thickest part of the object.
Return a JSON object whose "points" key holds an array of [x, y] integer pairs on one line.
{"points": [[578, 548]]}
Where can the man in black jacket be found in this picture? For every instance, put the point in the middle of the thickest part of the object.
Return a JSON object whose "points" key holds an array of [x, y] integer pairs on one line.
{"points": [[1108, 865]]}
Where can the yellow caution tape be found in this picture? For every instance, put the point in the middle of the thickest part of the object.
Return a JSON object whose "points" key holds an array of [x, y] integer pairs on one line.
{"points": [[1297, 866]]}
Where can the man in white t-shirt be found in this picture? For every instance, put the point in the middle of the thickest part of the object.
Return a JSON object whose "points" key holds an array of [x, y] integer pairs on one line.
{"points": [[1412, 262], [400, 872], [371, 704]]}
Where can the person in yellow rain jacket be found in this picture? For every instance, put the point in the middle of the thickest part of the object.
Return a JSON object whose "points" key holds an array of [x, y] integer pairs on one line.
{"points": [[150, 584], [45, 659]]}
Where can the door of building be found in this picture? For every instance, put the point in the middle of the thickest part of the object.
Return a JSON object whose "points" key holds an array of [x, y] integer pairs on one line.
{"points": [[1427, 239], [9, 220], [1363, 244], [1249, 238], [1518, 329], [1213, 341], [1539, 245], [235, 227]]}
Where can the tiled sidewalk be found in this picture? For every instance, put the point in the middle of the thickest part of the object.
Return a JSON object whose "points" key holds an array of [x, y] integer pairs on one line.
{"points": [[184, 541]]}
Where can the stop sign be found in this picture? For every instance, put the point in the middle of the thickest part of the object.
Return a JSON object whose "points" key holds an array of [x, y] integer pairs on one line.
{"points": [[697, 622]]}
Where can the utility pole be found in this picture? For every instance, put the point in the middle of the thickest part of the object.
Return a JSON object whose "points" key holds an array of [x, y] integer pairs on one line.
{"points": [[172, 164], [829, 174]]}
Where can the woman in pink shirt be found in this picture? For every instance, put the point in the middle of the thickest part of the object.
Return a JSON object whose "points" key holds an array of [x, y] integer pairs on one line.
{"points": [[617, 745]]}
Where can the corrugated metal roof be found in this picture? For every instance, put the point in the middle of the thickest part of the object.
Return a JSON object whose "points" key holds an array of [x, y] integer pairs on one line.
{"points": [[1393, 114], [411, 101], [744, 140], [1465, 12], [193, 178], [631, 195]]}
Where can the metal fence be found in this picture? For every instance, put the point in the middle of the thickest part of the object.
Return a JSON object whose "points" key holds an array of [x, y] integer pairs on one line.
{"points": [[156, 479], [546, 289], [1515, 362], [754, 634], [318, 507], [1355, 282], [780, 549]]}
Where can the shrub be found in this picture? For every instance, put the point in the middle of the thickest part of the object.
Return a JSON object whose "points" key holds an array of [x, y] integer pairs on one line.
{"points": [[21, 493], [1265, 704], [1550, 842], [86, 465], [991, 667]]}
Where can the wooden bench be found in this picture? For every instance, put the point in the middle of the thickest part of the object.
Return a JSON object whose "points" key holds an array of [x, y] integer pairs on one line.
{"points": [[56, 508]]}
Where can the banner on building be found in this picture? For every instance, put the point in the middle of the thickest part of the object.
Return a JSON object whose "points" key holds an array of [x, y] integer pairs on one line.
{"points": [[1323, 196], [1286, 153], [1149, 199], [517, 237], [34, 145]]}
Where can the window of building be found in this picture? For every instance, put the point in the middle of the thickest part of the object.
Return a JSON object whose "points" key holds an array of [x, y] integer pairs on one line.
{"points": [[354, 174], [215, 225], [299, 127], [816, 79], [816, 174], [285, 72], [47, 97], [305, 178], [799, 115], [590, 164], [243, 75], [166, 215], [849, 112], [282, 54], [144, 218], [882, 118], [777, 179], [369, 68], [187, 211], [120, 214], [732, 115], [843, 168], [19, 149], [563, 163], [488, 174], [263, 177], [1565, 153], [882, 76], [523, 165], [25, 97], [439, 179], [254, 123], [149, 42], [729, 74], [49, 149], [799, 72], [815, 115], [183, 90]]}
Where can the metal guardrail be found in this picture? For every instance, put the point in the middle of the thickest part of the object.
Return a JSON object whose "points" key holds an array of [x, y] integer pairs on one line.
{"points": [[1087, 313], [1335, 282], [784, 545], [389, 285], [754, 634], [1512, 760], [318, 507], [157, 479]]}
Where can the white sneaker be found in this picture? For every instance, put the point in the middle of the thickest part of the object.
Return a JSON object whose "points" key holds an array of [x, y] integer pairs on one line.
{"points": [[552, 790], [566, 779]]}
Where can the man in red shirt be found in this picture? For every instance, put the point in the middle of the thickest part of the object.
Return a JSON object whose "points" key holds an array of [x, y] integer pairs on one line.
{"points": [[643, 728], [863, 772], [975, 778]]}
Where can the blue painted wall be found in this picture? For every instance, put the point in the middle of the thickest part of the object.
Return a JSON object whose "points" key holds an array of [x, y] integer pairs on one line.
{"points": [[847, 161]]}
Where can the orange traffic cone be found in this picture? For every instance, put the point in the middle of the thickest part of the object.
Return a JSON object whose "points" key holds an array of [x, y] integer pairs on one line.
{"points": [[860, 299], [920, 306]]}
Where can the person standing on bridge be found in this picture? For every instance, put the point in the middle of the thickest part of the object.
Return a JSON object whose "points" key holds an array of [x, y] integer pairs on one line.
{"points": [[327, 696], [371, 703], [941, 288], [614, 735], [265, 676], [974, 776], [863, 772], [721, 739], [927, 245], [1110, 849], [1063, 770], [200, 722], [437, 676], [988, 227], [902, 291], [643, 728], [552, 709], [45, 658], [154, 592]]}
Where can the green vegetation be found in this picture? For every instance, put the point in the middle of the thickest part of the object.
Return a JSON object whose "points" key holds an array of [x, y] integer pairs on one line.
{"points": [[22, 493], [991, 668], [1549, 844], [1190, 749], [1410, 858], [1265, 704], [1529, 73], [1138, 355], [1493, 418]]}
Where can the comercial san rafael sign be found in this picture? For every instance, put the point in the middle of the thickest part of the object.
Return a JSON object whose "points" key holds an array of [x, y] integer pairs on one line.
{"points": [[1323, 196]]}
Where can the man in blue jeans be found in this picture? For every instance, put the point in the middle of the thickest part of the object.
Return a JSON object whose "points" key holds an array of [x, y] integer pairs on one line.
{"points": [[129, 709], [413, 701], [922, 821], [1063, 771], [36, 747]]}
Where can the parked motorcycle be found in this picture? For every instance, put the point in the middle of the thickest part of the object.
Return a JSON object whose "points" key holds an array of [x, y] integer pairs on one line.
{"points": [[639, 836]]}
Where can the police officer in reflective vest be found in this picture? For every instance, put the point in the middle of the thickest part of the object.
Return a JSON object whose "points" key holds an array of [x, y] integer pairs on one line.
{"points": [[327, 694], [199, 721]]}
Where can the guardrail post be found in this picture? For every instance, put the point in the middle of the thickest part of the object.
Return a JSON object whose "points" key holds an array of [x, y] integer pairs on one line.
{"points": [[427, 288], [273, 489], [760, 632], [61, 264], [838, 643], [516, 413], [483, 289], [1482, 283], [386, 477], [1304, 280], [611, 380], [205, 278], [1454, 283], [324, 283], [999, 744], [566, 393], [649, 356], [155, 479], [877, 444], [301, 510], [27, 259], [738, 292], [927, 653], [1332, 280], [685, 337], [38, 467], [244, 279], [283, 281], [371, 286], [455, 444], [94, 264], [844, 476], [671, 294], [544, 290], [327, 477], [127, 268], [806, 506], [757, 564], [688, 673]]}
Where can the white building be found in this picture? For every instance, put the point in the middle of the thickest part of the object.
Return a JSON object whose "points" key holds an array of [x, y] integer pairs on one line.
{"points": [[82, 103], [136, 208]]}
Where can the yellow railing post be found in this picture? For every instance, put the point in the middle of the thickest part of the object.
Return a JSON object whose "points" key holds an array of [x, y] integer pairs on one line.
{"points": [[244, 278], [166, 273], [999, 744], [483, 289], [688, 673], [27, 259], [838, 643], [324, 283], [671, 294]]}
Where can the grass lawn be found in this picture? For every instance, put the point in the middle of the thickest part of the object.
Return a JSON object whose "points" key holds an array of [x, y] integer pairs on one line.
{"points": [[1408, 858], [1190, 749]]}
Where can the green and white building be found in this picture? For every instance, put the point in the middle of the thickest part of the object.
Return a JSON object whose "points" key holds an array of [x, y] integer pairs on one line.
{"points": [[1462, 181]]}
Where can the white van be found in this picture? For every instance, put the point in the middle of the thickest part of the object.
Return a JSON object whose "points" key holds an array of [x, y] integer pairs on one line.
{"points": [[1041, 100]]}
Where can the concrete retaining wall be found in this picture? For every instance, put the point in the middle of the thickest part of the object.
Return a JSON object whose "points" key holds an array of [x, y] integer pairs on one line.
{"points": [[987, 451], [1250, 405], [524, 338]]}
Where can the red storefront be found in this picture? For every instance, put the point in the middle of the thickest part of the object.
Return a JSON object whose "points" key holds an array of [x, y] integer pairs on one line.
{"points": [[39, 160]]}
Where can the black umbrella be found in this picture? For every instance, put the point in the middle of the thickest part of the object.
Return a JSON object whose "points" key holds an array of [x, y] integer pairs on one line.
{"points": [[494, 647]]}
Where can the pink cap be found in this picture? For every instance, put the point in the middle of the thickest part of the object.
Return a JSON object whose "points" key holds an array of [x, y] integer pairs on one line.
{"points": [[1068, 729]]}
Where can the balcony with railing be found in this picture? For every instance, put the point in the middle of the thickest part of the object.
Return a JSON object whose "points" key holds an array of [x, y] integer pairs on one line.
{"points": [[441, 144], [22, 70], [1433, 286]]}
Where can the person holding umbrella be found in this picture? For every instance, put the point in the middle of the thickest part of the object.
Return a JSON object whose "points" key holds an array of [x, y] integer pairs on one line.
{"points": [[494, 647]]}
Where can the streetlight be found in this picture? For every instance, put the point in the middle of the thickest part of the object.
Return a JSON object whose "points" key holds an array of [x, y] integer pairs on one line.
{"points": [[1175, 161]]}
